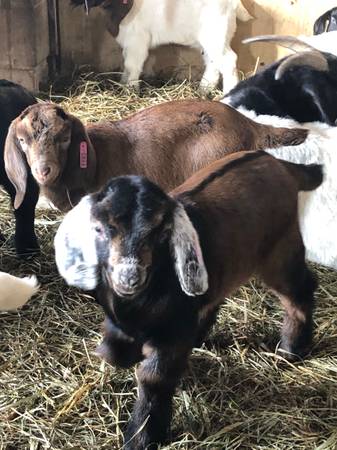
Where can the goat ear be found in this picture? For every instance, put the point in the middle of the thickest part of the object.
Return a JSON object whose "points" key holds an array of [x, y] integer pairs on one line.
{"points": [[189, 262], [75, 247], [15, 165], [119, 11]]}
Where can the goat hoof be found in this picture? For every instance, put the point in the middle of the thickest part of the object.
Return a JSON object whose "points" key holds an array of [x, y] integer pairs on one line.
{"points": [[26, 251], [206, 90], [293, 354]]}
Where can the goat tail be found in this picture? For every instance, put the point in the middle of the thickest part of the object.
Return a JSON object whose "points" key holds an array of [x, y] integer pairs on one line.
{"points": [[15, 292], [308, 176], [275, 137], [242, 13]]}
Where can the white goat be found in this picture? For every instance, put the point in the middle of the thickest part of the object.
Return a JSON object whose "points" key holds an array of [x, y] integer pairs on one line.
{"points": [[325, 42], [317, 209], [205, 24], [15, 292]]}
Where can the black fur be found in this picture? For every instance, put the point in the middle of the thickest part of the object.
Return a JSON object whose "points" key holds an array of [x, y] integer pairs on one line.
{"points": [[326, 22], [162, 315], [303, 93], [13, 100]]}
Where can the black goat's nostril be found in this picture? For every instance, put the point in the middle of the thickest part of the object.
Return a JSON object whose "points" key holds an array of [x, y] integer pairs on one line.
{"points": [[129, 278], [133, 281], [45, 171]]}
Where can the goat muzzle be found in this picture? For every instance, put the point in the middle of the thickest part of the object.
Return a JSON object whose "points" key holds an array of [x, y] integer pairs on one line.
{"points": [[127, 280], [45, 173]]}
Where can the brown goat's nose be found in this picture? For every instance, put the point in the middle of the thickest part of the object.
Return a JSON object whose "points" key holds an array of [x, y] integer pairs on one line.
{"points": [[45, 171]]}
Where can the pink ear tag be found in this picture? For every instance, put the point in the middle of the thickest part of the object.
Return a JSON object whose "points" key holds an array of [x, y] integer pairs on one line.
{"points": [[83, 155]]}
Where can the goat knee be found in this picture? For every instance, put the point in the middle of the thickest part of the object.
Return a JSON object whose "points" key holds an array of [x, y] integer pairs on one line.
{"points": [[297, 324], [211, 75], [117, 348]]}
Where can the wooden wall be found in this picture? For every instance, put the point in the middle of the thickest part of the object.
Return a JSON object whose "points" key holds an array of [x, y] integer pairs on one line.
{"points": [[24, 44]]}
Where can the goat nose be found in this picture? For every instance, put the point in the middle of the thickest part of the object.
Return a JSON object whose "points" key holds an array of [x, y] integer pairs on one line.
{"points": [[129, 277], [45, 171]]}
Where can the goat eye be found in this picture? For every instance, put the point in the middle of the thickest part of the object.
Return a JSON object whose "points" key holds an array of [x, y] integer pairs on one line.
{"points": [[98, 229], [21, 140], [113, 230]]}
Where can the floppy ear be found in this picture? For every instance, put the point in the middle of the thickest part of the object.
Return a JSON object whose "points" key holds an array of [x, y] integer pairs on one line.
{"points": [[189, 262], [15, 164], [75, 248]]}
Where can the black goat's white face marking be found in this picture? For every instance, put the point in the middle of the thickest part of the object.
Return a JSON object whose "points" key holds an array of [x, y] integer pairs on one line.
{"points": [[75, 247], [189, 263]]}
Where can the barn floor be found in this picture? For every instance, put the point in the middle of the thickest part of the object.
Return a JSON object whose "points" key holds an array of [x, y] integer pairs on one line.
{"points": [[55, 394]]}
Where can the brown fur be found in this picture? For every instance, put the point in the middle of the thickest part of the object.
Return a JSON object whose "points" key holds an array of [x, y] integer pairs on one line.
{"points": [[167, 143], [251, 245]]}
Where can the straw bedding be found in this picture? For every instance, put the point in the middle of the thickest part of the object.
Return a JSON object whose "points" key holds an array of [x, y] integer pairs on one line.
{"points": [[237, 394]]}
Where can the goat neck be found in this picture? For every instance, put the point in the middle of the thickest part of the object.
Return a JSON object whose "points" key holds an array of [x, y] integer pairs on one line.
{"points": [[79, 175]]}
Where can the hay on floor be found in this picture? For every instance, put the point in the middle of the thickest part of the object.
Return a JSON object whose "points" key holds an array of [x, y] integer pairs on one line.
{"points": [[55, 394]]}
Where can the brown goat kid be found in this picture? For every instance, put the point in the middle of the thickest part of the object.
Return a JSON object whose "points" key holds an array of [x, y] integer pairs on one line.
{"points": [[146, 253], [167, 143]]}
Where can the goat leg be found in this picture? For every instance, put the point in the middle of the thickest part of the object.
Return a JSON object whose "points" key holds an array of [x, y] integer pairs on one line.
{"points": [[158, 376], [288, 275], [25, 238], [297, 323], [118, 348]]}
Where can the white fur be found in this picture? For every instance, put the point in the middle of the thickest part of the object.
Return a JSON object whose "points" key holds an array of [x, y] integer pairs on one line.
{"points": [[192, 274], [75, 249], [325, 42], [15, 292], [208, 25], [318, 208]]}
